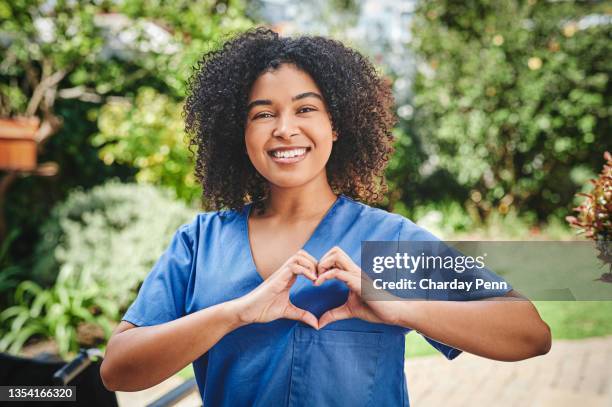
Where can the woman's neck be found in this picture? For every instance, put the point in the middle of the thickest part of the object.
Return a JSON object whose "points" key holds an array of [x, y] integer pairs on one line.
{"points": [[307, 201]]}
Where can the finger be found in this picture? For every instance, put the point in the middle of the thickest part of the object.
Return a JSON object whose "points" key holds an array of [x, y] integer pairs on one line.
{"points": [[306, 262], [307, 255], [326, 263], [336, 257], [298, 314], [335, 314], [349, 279], [328, 254], [299, 269]]}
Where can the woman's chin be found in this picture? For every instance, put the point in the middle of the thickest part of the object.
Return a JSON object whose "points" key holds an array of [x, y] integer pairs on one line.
{"points": [[289, 182]]}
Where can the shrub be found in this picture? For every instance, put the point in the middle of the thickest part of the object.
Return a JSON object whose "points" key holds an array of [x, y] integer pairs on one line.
{"points": [[147, 134], [109, 236], [511, 99], [96, 249]]}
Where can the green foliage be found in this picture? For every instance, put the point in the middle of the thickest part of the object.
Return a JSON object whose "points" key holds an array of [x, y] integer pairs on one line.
{"points": [[69, 38], [148, 135], [443, 218], [452, 221], [96, 249], [45, 39], [196, 26], [9, 271], [512, 96], [99, 52], [31, 199], [57, 313], [109, 236]]}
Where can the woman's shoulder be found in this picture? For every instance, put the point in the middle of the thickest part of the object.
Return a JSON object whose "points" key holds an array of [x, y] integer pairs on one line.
{"points": [[372, 214], [406, 228], [211, 222], [222, 215]]}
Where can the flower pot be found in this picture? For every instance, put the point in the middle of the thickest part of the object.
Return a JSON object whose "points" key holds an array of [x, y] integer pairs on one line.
{"points": [[18, 147]]}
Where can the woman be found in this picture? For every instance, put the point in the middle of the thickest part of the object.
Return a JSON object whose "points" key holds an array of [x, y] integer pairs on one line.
{"points": [[264, 297]]}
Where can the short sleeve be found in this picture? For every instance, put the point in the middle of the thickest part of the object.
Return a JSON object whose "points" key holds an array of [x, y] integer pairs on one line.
{"points": [[449, 352], [161, 297], [412, 232]]}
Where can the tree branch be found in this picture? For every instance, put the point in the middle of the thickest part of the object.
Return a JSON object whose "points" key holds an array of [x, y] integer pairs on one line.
{"points": [[48, 81]]}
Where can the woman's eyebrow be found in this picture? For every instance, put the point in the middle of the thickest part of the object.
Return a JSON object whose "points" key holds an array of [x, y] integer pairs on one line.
{"points": [[268, 102], [305, 95]]}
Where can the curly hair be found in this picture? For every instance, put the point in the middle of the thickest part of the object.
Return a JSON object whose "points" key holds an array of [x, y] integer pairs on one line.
{"points": [[358, 99]]}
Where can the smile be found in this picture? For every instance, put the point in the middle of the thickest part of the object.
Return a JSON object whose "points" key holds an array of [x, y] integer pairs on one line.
{"points": [[289, 156]]}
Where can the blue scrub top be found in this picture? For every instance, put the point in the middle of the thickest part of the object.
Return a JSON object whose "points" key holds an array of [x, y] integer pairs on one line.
{"points": [[283, 362]]}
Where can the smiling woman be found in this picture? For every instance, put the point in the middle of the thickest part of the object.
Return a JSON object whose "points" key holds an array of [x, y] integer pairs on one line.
{"points": [[288, 123], [234, 95], [266, 303]]}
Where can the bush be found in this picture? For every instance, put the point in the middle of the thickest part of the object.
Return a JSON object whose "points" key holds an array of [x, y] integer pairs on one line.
{"points": [[96, 249], [512, 99], [109, 236], [147, 134]]}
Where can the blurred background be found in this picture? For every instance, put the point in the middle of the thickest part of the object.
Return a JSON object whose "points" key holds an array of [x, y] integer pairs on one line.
{"points": [[504, 115]]}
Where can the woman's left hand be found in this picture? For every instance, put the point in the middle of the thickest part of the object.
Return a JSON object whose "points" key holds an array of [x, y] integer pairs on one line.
{"points": [[337, 264]]}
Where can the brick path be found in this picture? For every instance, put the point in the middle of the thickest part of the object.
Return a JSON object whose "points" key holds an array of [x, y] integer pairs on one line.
{"points": [[572, 373]]}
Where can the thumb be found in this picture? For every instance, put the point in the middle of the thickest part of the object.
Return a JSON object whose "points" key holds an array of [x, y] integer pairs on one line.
{"points": [[335, 314], [298, 314]]}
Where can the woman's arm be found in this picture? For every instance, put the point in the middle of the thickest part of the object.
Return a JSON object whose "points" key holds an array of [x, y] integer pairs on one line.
{"points": [[140, 357], [502, 328]]}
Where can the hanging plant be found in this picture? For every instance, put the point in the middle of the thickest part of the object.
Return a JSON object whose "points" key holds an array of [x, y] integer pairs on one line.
{"points": [[594, 220]]}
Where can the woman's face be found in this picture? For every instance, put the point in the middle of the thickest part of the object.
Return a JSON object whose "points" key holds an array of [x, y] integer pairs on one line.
{"points": [[288, 133]]}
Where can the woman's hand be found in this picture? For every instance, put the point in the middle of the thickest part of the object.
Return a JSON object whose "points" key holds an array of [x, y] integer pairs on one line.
{"points": [[270, 300], [337, 264]]}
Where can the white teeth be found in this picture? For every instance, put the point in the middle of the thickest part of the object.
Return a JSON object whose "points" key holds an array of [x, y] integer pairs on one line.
{"points": [[289, 153]]}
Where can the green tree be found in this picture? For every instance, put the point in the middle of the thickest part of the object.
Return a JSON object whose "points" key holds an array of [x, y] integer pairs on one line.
{"points": [[145, 130], [512, 99], [147, 133], [64, 61]]}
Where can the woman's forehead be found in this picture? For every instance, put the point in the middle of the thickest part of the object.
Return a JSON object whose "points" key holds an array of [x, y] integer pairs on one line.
{"points": [[285, 81]]}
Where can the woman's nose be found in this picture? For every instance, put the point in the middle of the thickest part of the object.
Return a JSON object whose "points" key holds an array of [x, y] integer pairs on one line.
{"points": [[285, 128]]}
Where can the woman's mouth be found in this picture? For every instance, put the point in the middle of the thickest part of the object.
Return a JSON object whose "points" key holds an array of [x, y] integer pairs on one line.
{"points": [[288, 155]]}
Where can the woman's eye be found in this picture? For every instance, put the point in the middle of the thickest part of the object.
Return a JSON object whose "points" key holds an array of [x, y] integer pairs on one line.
{"points": [[263, 115], [306, 109]]}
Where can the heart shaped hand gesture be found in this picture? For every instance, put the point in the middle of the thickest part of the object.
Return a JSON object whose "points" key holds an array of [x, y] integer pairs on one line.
{"points": [[336, 264], [270, 300]]}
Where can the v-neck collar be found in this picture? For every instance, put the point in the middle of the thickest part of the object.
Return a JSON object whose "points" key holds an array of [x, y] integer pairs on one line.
{"points": [[245, 232]]}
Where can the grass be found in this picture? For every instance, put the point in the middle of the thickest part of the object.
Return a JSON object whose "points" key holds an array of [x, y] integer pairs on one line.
{"points": [[186, 373], [567, 320]]}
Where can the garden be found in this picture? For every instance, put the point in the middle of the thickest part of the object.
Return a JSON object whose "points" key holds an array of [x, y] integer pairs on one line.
{"points": [[504, 120]]}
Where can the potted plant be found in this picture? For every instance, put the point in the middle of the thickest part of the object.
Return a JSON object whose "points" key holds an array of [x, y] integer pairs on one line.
{"points": [[594, 220]]}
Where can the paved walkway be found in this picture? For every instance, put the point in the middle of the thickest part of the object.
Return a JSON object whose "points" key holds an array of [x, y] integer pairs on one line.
{"points": [[572, 373], [145, 397]]}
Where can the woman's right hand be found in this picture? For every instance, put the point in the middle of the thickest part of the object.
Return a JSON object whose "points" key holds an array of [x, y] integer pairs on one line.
{"points": [[270, 300]]}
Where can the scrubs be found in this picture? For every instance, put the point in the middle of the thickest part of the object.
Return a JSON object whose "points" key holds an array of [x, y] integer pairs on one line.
{"points": [[284, 362]]}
